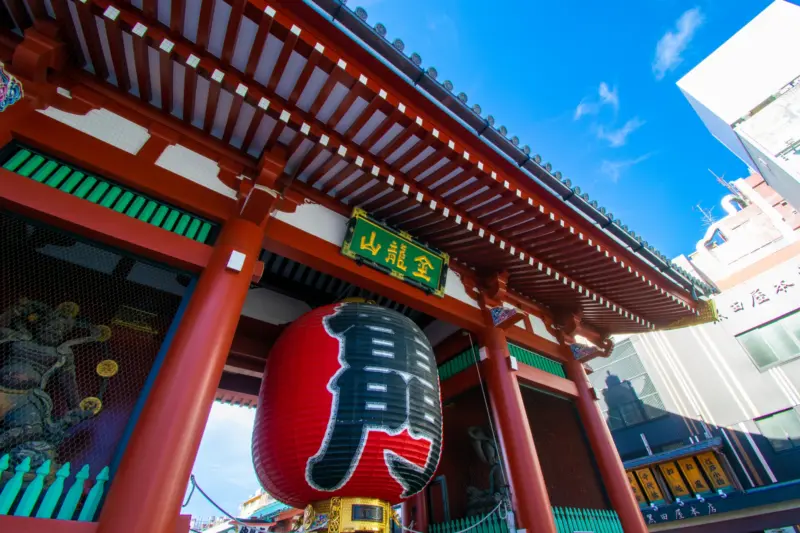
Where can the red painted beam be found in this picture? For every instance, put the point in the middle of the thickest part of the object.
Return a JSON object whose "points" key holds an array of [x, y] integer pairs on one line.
{"points": [[460, 383], [40, 202], [528, 375], [314, 252]]}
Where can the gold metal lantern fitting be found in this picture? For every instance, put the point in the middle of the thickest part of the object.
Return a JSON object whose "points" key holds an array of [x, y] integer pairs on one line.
{"points": [[349, 515]]}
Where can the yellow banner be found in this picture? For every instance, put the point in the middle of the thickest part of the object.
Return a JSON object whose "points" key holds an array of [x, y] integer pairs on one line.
{"points": [[651, 489], [673, 477], [692, 472], [636, 490], [714, 471]]}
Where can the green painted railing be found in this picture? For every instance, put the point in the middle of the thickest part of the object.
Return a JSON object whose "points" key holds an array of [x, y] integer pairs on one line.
{"points": [[47, 170], [493, 524], [23, 493], [537, 361], [569, 520], [459, 363]]}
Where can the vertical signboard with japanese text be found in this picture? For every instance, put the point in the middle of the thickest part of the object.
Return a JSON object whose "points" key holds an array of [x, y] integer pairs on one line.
{"points": [[674, 480], [651, 488], [692, 473], [637, 492], [395, 253], [714, 471]]}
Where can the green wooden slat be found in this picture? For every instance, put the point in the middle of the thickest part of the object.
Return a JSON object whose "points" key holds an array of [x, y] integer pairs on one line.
{"points": [[58, 177], [161, 213], [13, 486], [74, 494], [111, 197], [89, 508], [85, 187], [50, 500], [14, 163], [98, 192], [134, 208], [148, 211], [44, 171], [72, 182], [172, 218], [183, 223], [193, 228], [30, 165], [123, 202], [32, 492], [202, 235]]}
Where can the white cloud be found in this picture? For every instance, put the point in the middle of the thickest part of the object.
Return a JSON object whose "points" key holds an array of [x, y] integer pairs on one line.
{"points": [[609, 96], [590, 106], [673, 43], [619, 137], [614, 169]]}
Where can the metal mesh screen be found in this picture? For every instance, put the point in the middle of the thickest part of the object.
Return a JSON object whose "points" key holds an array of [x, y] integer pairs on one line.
{"points": [[80, 328]]}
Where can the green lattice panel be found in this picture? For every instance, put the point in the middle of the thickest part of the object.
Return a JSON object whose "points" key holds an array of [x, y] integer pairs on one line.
{"points": [[70, 180], [537, 361]]}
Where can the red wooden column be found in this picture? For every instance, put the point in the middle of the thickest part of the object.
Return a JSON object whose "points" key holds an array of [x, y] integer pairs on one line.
{"points": [[147, 490], [605, 452], [528, 490], [415, 509]]}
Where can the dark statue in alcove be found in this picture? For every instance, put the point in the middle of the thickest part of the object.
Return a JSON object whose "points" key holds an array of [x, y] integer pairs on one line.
{"points": [[36, 360], [481, 501]]}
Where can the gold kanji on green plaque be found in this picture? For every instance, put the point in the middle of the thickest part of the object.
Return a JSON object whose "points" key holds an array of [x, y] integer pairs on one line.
{"points": [[395, 253]]}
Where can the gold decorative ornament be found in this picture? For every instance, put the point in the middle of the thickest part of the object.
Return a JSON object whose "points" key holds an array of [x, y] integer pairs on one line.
{"points": [[33, 317], [308, 517], [107, 368], [105, 333], [68, 308], [92, 404], [351, 515]]}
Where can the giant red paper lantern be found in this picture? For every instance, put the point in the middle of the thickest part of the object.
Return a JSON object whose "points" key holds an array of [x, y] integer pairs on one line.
{"points": [[349, 406]]}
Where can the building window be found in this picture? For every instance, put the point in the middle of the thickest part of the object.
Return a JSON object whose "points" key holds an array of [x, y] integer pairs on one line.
{"points": [[626, 394], [773, 343], [717, 238], [782, 429]]}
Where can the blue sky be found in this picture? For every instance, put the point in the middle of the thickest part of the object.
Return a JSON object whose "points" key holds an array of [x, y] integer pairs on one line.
{"points": [[635, 146], [588, 85]]}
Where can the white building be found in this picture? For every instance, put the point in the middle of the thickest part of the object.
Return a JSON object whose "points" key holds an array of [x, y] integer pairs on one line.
{"points": [[747, 93]]}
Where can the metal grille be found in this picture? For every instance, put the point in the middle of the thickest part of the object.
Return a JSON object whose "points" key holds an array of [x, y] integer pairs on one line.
{"points": [[80, 328], [45, 169]]}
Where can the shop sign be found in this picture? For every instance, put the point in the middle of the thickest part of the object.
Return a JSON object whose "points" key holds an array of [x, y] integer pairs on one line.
{"points": [[714, 471], [761, 299], [651, 488], [690, 510], [673, 477], [10, 89], [692, 473], [636, 490], [395, 253]]}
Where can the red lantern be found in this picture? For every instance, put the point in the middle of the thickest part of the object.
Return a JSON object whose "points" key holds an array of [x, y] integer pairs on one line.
{"points": [[350, 407]]}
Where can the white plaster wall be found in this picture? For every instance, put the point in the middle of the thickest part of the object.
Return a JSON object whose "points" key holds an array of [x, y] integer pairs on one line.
{"points": [[194, 167], [105, 126], [272, 307], [455, 289], [540, 329], [318, 221]]}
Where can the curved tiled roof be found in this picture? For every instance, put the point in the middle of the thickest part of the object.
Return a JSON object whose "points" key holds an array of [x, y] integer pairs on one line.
{"points": [[426, 80]]}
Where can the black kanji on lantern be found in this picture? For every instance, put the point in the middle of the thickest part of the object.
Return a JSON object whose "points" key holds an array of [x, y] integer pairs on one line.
{"points": [[388, 382]]}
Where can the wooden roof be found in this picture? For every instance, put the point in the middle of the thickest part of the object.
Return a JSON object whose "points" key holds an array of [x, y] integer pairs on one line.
{"points": [[371, 128]]}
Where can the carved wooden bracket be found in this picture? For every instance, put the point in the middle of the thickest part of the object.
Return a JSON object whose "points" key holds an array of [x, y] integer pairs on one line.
{"points": [[40, 50]]}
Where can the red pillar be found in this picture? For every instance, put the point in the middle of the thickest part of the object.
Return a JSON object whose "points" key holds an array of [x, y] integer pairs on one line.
{"points": [[415, 509], [147, 490], [528, 490], [605, 452]]}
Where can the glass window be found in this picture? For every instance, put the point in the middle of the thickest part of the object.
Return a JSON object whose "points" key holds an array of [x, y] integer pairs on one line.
{"points": [[773, 343], [781, 429]]}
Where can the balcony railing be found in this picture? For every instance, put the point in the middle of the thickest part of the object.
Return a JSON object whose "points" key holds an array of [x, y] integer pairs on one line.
{"points": [[567, 519]]}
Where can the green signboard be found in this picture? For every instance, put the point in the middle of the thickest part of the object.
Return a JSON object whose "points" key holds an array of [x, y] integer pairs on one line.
{"points": [[395, 253]]}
